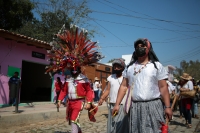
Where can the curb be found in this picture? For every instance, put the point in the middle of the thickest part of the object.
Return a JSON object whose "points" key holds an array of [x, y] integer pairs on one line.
{"points": [[42, 116]]}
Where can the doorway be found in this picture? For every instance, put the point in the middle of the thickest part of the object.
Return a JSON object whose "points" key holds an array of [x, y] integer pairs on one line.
{"points": [[36, 86]]}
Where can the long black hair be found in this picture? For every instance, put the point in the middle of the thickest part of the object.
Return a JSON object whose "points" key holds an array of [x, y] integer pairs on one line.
{"points": [[152, 56]]}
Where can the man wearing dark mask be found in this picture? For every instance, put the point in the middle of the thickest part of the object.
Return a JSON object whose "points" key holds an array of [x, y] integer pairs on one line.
{"points": [[118, 124], [146, 75]]}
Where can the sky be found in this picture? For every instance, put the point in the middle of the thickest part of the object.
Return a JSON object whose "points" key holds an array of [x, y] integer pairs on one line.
{"points": [[172, 26]]}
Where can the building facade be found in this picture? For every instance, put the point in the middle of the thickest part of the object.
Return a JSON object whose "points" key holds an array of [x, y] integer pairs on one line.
{"points": [[19, 53]]}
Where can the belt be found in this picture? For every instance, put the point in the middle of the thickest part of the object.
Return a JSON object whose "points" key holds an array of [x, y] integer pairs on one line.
{"points": [[114, 103], [76, 99], [147, 100]]}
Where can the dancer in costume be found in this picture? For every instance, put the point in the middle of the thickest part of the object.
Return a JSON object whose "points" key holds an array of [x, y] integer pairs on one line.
{"points": [[149, 78], [119, 123], [72, 50]]}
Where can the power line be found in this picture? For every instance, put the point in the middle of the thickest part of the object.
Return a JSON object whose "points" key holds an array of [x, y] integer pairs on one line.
{"points": [[136, 11], [187, 54], [143, 20], [112, 33], [179, 60], [151, 42], [168, 21], [143, 26]]}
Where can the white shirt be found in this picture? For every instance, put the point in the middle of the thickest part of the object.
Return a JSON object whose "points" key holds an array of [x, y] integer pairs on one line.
{"points": [[72, 90], [146, 82], [114, 87], [96, 83], [170, 87]]}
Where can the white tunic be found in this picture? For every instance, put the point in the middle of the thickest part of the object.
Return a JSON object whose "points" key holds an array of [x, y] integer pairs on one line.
{"points": [[95, 88], [170, 87], [114, 87], [145, 82], [72, 90]]}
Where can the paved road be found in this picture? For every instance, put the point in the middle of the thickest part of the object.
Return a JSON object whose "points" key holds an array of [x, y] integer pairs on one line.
{"points": [[61, 126]]}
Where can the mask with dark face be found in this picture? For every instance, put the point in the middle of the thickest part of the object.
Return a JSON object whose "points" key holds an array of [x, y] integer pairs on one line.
{"points": [[75, 73], [117, 71], [140, 52]]}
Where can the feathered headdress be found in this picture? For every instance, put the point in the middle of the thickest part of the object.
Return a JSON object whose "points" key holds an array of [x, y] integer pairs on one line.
{"points": [[71, 49]]}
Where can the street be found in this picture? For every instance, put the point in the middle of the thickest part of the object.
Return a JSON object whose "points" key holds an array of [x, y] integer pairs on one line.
{"points": [[61, 126]]}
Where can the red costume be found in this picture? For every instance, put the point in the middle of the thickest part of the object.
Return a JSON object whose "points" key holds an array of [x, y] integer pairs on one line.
{"points": [[58, 86], [71, 50], [79, 92]]}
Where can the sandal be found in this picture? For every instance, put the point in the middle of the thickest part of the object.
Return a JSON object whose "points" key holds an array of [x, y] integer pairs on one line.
{"points": [[186, 123], [189, 126]]}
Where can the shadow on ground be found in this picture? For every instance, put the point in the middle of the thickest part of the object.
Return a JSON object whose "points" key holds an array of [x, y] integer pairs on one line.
{"points": [[177, 123], [106, 115]]}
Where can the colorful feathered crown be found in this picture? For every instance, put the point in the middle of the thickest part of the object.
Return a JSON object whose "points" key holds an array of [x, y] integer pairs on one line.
{"points": [[71, 49]]}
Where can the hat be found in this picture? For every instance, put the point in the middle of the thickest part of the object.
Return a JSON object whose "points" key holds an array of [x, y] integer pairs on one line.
{"points": [[96, 78], [175, 80], [106, 81], [71, 49], [185, 76], [119, 61]]}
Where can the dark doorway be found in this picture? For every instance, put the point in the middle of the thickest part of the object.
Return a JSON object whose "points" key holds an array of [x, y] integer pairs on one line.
{"points": [[36, 86]]}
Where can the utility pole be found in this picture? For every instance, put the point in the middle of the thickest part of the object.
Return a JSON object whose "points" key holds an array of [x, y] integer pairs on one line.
{"points": [[17, 96]]}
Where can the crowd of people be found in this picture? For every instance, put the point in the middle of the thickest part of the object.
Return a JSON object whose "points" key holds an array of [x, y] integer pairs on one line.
{"points": [[154, 97], [140, 97], [152, 94], [187, 104]]}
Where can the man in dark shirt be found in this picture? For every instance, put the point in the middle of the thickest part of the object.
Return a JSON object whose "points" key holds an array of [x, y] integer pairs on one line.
{"points": [[13, 83]]}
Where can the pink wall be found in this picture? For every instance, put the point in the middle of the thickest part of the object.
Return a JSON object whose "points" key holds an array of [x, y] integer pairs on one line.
{"points": [[12, 54]]}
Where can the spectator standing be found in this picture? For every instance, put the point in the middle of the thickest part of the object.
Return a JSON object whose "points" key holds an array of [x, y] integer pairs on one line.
{"points": [[58, 88], [14, 83], [96, 86]]}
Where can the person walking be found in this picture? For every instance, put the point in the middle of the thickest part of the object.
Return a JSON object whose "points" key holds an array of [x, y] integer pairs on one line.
{"points": [[186, 85], [78, 90], [58, 87], [71, 51], [147, 76], [119, 123], [96, 86]]}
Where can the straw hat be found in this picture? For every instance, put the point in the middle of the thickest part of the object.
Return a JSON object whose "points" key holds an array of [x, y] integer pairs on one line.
{"points": [[185, 76], [96, 78], [175, 80], [106, 81]]}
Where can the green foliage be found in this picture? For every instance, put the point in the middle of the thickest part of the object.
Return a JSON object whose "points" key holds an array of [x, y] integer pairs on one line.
{"points": [[191, 67], [53, 14], [15, 13], [110, 61]]}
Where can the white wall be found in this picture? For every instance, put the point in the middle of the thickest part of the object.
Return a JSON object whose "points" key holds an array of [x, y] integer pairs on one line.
{"points": [[127, 58]]}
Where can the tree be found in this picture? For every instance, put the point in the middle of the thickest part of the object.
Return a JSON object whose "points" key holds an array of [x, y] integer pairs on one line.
{"points": [[15, 13], [53, 14], [110, 61], [191, 67], [45, 29]]}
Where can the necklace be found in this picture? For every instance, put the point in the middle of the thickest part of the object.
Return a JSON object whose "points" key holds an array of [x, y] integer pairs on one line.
{"points": [[118, 80], [136, 72]]}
